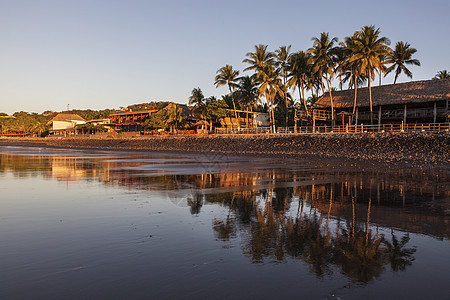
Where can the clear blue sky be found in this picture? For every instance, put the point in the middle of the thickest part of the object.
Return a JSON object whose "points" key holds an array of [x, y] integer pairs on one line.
{"points": [[109, 53]]}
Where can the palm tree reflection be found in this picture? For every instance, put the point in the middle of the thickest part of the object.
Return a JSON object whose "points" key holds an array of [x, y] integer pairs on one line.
{"points": [[270, 236]]}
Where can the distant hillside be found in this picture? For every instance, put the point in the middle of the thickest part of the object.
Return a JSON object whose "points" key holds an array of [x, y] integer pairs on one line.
{"points": [[24, 122], [148, 106]]}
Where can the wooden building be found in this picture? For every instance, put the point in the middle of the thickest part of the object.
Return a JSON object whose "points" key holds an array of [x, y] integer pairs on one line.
{"points": [[410, 102], [245, 119], [130, 121]]}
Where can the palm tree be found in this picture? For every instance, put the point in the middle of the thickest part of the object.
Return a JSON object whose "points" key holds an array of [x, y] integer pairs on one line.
{"points": [[227, 76], [175, 117], [270, 86], [300, 68], [442, 75], [248, 92], [350, 66], [370, 48], [323, 55], [399, 58], [282, 57], [340, 59], [258, 59], [198, 101]]}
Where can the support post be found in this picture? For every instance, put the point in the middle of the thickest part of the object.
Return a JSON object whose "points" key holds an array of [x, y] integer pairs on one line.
{"points": [[434, 112], [404, 115], [314, 123], [379, 117], [356, 121], [295, 124]]}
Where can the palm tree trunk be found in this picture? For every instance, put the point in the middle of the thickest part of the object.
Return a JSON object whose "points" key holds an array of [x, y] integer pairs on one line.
{"points": [[273, 114], [269, 107], [321, 82], [285, 100], [355, 82], [303, 96], [370, 100], [247, 117], [331, 100], [234, 105]]}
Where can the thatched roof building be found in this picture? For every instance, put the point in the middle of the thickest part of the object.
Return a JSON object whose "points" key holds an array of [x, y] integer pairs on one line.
{"points": [[392, 94], [413, 102]]}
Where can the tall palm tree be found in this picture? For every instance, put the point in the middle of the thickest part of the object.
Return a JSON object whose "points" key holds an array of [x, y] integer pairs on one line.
{"points": [[248, 92], [399, 58], [258, 59], [197, 99], [442, 75], [340, 59], [323, 55], [351, 66], [227, 76], [299, 70], [175, 117], [370, 49], [282, 57], [269, 76]]}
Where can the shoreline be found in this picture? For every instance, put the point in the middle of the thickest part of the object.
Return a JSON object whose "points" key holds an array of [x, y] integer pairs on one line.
{"points": [[422, 150]]}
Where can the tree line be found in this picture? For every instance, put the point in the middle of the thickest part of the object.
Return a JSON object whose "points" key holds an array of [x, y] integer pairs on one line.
{"points": [[24, 123], [355, 61]]}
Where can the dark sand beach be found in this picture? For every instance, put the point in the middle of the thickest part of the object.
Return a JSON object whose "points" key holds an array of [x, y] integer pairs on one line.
{"points": [[413, 149]]}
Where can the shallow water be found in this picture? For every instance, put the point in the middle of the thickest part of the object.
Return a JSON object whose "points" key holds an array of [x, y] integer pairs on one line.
{"points": [[123, 225]]}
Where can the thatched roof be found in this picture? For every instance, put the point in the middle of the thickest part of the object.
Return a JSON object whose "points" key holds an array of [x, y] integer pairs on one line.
{"points": [[66, 118], [400, 93]]}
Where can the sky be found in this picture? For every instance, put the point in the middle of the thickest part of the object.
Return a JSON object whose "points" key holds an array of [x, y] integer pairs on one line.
{"points": [[100, 54]]}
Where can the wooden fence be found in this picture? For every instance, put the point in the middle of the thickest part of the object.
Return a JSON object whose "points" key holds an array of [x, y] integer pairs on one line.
{"points": [[250, 130], [425, 127]]}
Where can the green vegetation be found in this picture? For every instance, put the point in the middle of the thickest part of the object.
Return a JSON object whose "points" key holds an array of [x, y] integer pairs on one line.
{"points": [[89, 114], [227, 76], [148, 106], [175, 117], [442, 75], [356, 61], [197, 100], [156, 121], [399, 58], [24, 123]]}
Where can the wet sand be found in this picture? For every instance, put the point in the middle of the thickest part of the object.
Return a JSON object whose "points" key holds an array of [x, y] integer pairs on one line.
{"points": [[410, 149]]}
